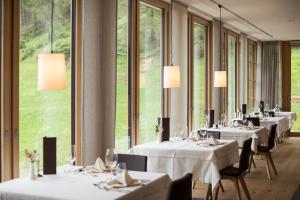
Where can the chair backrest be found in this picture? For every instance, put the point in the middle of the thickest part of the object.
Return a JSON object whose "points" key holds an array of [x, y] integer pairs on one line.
{"points": [[134, 162], [245, 155], [272, 135], [254, 120], [215, 134], [271, 113], [181, 189]]}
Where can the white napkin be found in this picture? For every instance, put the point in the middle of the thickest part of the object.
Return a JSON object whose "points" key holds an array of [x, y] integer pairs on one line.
{"points": [[194, 135], [98, 167], [250, 125], [213, 141], [123, 180], [236, 124]]}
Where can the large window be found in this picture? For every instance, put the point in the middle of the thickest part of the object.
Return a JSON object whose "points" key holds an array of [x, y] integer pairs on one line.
{"points": [[43, 113], [198, 71], [150, 69], [295, 85], [141, 53], [232, 62], [251, 74], [122, 97]]}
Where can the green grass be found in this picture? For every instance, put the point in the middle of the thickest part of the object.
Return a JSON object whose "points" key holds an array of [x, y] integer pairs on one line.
{"points": [[42, 113]]}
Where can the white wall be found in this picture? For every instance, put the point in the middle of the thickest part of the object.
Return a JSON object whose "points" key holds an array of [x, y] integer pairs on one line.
{"points": [[98, 66], [179, 96]]}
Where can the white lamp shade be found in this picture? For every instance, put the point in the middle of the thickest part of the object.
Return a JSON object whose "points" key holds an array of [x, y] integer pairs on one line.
{"points": [[51, 72], [171, 76], [220, 79]]}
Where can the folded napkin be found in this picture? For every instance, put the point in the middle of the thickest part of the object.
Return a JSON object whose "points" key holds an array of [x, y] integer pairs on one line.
{"points": [[98, 167], [123, 180], [236, 124], [194, 135], [213, 141], [250, 125]]}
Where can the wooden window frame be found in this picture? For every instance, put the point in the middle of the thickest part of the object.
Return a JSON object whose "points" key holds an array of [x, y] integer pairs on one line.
{"points": [[254, 44], [134, 62], [228, 32], [192, 18], [10, 88]]}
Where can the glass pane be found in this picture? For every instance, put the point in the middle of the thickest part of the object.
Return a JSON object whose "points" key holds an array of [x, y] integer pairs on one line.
{"points": [[43, 112], [121, 135], [199, 63], [231, 76], [151, 62], [251, 78], [295, 86]]}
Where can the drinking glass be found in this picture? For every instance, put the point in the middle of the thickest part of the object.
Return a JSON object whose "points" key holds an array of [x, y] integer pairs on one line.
{"points": [[121, 167], [110, 159], [203, 130]]}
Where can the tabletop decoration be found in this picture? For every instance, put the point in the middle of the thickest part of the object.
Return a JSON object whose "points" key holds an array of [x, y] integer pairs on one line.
{"points": [[31, 156]]}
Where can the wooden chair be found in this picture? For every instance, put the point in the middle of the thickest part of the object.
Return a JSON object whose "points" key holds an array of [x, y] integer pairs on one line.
{"points": [[134, 162], [236, 174], [265, 151]]}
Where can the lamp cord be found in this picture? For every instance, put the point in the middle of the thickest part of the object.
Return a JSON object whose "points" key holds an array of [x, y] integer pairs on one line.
{"points": [[52, 12], [171, 27], [221, 63]]}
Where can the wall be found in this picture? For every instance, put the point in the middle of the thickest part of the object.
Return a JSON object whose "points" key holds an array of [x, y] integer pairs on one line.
{"points": [[98, 64]]}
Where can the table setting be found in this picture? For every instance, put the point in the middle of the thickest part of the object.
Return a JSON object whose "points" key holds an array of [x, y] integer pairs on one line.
{"points": [[104, 180]]}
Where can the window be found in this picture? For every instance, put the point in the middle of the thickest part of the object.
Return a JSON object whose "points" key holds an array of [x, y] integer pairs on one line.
{"points": [[198, 71], [141, 55], [251, 74], [295, 85], [43, 113], [232, 71], [122, 88], [150, 69]]}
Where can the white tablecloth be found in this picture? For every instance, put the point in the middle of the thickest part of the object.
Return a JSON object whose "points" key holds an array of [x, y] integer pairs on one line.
{"points": [[81, 187], [180, 157], [282, 125], [259, 135], [292, 116]]}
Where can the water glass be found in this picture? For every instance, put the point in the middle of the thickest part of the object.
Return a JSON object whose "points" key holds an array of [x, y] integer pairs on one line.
{"points": [[121, 167], [110, 159]]}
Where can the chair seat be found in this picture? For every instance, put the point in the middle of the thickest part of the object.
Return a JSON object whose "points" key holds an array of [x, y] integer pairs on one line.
{"points": [[230, 171], [263, 148]]}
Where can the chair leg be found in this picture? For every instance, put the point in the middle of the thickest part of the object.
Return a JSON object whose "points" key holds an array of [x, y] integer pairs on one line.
{"points": [[208, 193], [217, 192], [193, 184], [272, 163], [237, 188], [221, 185], [268, 166], [251, 162], [244, 186]]}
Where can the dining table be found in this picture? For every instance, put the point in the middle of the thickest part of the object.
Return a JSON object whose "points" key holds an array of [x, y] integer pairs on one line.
{"points": [[259, 135], [291, 116], [282, 125], [80, 186], [179, 157]]}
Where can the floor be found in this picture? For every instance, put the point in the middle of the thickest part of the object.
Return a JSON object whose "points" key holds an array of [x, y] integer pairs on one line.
{"points": [[286, 157]]}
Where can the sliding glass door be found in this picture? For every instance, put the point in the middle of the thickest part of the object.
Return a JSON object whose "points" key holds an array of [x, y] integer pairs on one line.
{"points": [[151, 63], [43, 112]]}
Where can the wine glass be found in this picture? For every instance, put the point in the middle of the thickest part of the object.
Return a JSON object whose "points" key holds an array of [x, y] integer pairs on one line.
{"points": [[110, 159], [121, 167], [203, 130]]}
